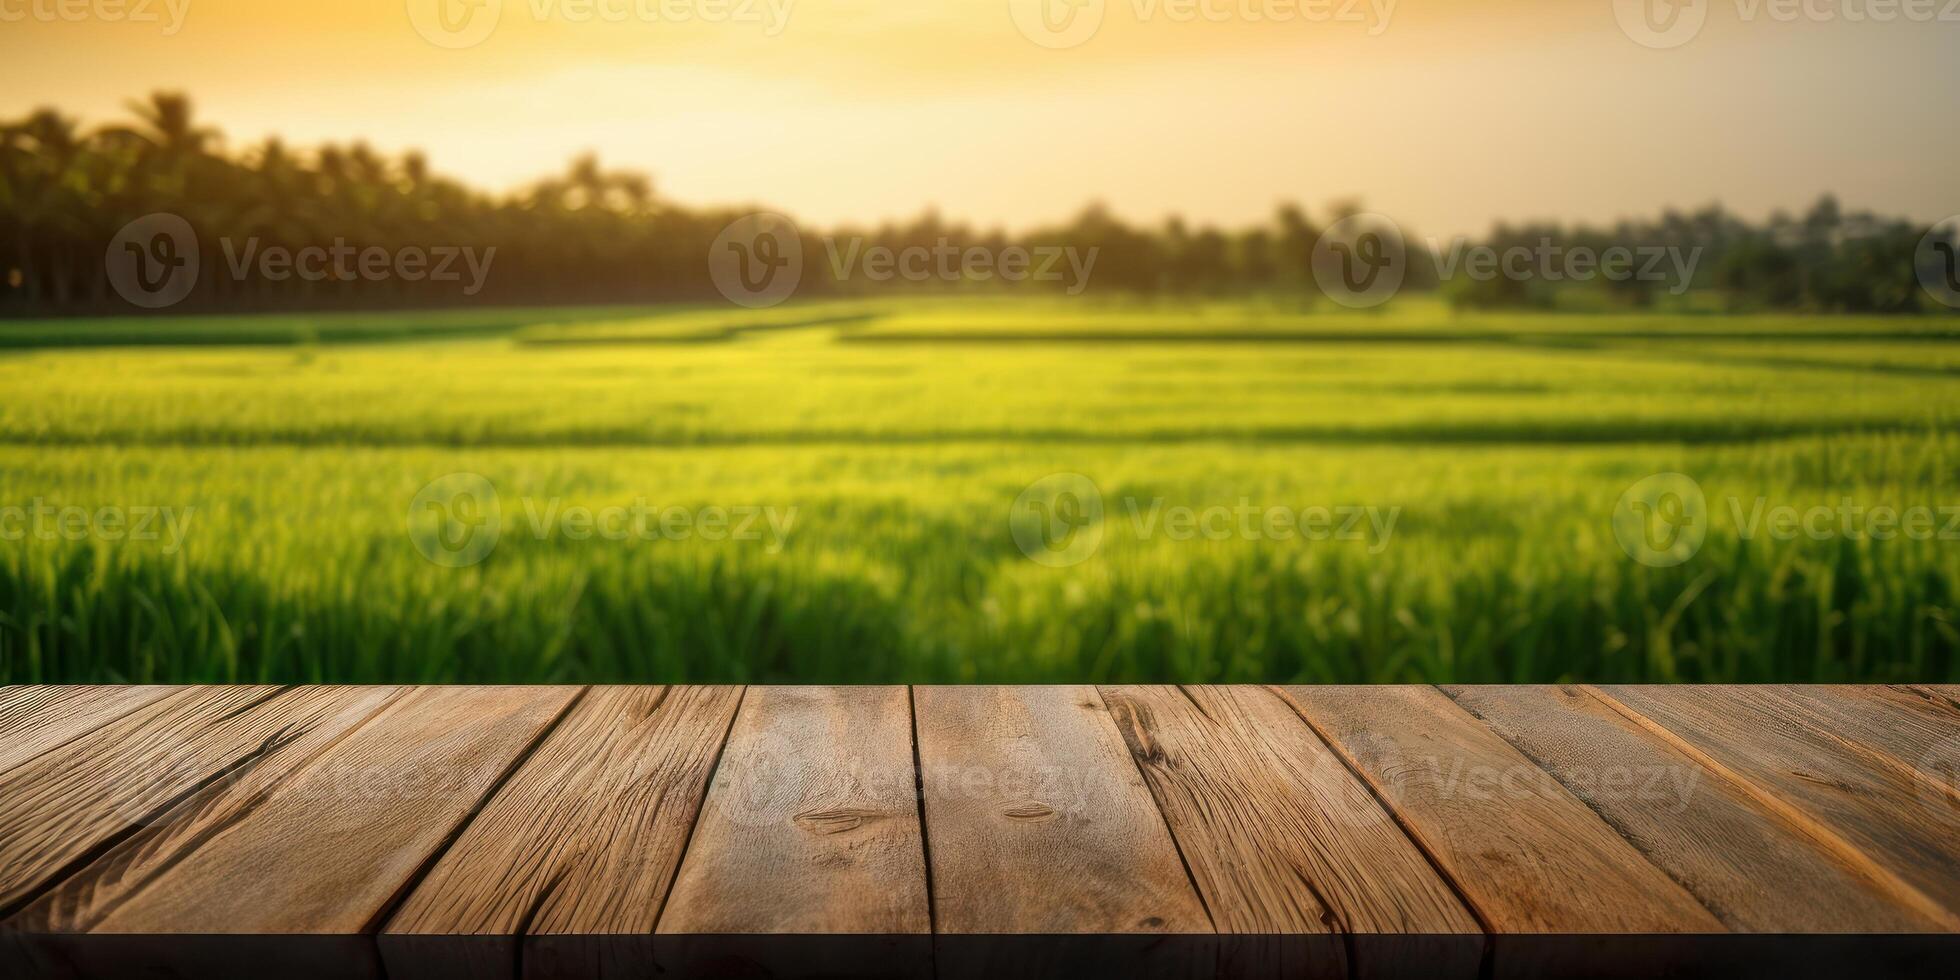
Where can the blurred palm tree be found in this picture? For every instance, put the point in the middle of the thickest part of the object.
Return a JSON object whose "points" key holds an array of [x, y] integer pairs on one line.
{"points": [[600, 235], [169, 123]]}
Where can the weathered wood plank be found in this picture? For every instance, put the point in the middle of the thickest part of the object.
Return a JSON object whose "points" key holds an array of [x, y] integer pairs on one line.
{"points": [[1880, 817], [1283, 839], [1754, 870], [1529, 856], [812, 823], [67, 802], [36, 719], [269, 740], [642, 831], [1038, 822], [1046, 852], [811, 827], [584, 838], [328, 848], [1894, 726]]}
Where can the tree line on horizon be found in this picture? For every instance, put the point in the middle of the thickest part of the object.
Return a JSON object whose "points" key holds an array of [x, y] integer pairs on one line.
{"points": [[594, 235]]}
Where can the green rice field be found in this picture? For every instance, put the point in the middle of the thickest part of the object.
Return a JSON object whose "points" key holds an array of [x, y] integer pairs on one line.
{"points": [[865, 492]]}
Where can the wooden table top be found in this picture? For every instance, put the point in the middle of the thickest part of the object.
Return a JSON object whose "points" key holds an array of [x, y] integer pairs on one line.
{"points": [[978, 831]]}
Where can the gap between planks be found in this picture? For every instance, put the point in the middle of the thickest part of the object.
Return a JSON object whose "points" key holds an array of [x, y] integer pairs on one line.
{"points": [[393, 905], [1401, 821], [1790, 814], [1176, 844], [1585, 799]]}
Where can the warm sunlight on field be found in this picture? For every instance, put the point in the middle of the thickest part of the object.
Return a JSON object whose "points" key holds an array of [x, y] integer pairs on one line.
{"points": [[1468, 481]]}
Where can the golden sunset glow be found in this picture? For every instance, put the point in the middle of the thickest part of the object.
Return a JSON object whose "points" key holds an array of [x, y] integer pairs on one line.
{"points": [[1448, 113]]}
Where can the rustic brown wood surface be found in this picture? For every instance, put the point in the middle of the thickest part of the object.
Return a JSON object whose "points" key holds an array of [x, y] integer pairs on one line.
{"points": [[231, 765], [36, 719], [812, 825], [978, 831], [1754, 871], [1528, 855], [584, 838], [1037, 820], [1279, 835], [1877, 812]]}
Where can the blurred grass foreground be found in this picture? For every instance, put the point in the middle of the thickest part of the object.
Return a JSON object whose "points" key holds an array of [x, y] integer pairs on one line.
{"points": [[902, 491]]}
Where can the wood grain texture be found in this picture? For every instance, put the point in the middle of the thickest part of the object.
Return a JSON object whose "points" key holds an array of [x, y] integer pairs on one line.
{"points": [[65, 803], [812, 824], [1893, 726], [1201, 832], [36, 719], [1038, 822], [1529, 856], [1283, 839], [585, 837], [1751, 868], [1287, 837], [326, 849], [1876, 815]]}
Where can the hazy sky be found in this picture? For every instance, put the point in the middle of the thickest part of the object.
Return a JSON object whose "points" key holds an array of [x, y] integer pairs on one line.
{"points": [[1443, 113]]}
